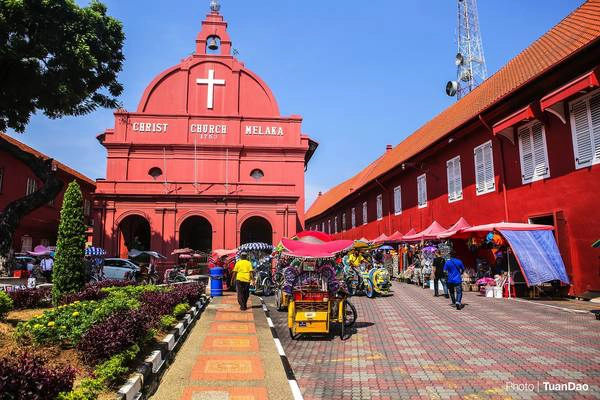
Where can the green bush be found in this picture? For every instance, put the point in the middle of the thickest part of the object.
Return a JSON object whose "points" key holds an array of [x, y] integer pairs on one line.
{"points": [[6, 304], [180, 310], [107, 374], [69, 275], [167, 321]]}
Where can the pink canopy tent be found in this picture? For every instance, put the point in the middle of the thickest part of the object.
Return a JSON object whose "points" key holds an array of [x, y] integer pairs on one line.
{"points": [[40, 251], [381, 238], [298, 248], [428, 233], [508, 226], [412, 231], [323, 237], [395, 237], [459, 226]]}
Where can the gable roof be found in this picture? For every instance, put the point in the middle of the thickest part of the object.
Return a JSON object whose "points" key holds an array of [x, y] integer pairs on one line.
{"points": [[576, 31], [36, 153]]}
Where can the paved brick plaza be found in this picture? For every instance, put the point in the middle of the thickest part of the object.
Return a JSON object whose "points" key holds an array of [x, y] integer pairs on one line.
{"points": [[412, 345]]}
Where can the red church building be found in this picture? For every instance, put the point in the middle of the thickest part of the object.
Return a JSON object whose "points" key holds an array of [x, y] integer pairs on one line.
{"points": [[17, 180], [206, 161], [524, 146]]}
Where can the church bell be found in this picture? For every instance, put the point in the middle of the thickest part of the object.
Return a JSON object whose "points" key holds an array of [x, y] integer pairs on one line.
{"points": [[212, 44]]}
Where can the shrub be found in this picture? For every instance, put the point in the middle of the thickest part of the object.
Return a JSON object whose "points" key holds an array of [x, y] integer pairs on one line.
{"points": [[31, 298], [89, 293], [6, 304], [180, 310], [64, 324], [113, 335], [166, 322], [69, 272], [189, 293], [26, 377], [112, 371]]}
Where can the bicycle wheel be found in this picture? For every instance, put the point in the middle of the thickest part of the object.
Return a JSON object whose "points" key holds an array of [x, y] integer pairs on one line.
{"points": [[350, 314], [267, 287], [370, 290]]}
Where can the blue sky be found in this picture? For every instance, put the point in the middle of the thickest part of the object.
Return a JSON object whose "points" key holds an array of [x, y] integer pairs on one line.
{"points": [[362, 73]]}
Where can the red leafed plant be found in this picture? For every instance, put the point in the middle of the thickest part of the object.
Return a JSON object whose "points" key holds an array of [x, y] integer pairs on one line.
{"points": [[28, 377]]}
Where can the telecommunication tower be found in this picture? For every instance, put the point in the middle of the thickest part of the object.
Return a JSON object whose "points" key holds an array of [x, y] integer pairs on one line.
{"points": [[469, 60]]}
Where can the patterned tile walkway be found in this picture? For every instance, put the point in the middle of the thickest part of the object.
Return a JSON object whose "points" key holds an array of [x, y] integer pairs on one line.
{"points": [[412, 345], [229, 355]]}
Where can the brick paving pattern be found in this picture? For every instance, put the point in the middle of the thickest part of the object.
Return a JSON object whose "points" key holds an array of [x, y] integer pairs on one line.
{"points": [[226, 358], [412, 345]]}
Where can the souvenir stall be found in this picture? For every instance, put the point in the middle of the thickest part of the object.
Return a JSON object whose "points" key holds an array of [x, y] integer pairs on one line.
{"points": [[424, 251], [512, 257]]}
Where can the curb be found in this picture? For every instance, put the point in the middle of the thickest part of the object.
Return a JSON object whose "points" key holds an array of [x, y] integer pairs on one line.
{"points": [[144, 381], [289, 372]]}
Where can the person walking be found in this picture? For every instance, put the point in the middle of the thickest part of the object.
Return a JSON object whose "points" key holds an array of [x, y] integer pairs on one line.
{"points": [[243, 272], [455, 267], [438, 274], [46, 265]]}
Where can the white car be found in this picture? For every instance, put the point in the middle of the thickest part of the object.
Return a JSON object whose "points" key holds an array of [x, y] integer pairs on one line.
{"points": [[118, 268]]}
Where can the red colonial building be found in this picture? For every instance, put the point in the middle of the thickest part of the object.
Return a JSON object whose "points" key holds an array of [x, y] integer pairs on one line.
{"points": [[206, 161], [18, 180], [524, 146]]}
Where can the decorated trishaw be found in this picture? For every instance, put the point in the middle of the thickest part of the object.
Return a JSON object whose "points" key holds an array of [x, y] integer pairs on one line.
{"points": [[370, 277], [316, 297]]}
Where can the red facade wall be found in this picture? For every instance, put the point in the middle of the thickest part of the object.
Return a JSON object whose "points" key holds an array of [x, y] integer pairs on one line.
{"points": [[41, 224], [206, 174], [570, 195]]}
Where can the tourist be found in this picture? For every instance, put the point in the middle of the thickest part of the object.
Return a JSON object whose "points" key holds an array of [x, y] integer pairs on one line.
{"points": [[439, 274], [454, 267], [46, 265], [355, 259], [243, 272]]}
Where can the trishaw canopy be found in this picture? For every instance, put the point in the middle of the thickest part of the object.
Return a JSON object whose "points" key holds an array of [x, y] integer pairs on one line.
{"points": [[296, 248]]}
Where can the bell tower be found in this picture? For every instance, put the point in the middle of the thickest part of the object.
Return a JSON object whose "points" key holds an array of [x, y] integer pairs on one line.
{"points": [[214, 36]]}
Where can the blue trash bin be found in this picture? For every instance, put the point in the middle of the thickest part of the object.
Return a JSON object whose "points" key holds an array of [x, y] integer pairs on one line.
{"points": [[216, 281]]}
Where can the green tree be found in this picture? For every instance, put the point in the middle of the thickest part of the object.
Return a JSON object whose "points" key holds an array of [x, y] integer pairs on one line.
{"points": [[59, 59], [68, 275]]}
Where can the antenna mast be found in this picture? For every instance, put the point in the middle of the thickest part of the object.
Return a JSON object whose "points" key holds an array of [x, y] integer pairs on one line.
{"points": [[469, 60]]}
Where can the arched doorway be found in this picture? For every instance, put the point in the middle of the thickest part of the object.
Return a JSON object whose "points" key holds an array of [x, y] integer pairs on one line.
{"points": [[196, 233], [256, 229], [134, 233]]}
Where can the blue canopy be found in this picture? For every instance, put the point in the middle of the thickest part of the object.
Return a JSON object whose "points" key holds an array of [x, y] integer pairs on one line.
{"points": [[538, 255]]}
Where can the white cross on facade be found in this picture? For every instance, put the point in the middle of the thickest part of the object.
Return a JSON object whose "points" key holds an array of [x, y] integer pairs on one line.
{"points": [[211, 82]]}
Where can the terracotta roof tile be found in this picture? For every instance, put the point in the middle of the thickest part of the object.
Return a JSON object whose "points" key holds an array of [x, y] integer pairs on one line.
{"points": [[577, 30], [60, 165]]}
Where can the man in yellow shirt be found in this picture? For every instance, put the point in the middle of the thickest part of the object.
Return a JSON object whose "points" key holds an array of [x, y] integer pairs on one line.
{"points": [[243, 272], [355, 259]]}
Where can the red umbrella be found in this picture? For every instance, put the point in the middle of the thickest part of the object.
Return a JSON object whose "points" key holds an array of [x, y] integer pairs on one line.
{"points": [[315, 234]]}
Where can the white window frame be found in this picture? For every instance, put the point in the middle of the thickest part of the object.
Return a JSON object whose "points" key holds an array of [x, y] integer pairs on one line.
{"points": [[344, 222], [379, 207], [540, 168], [323, 226], [365, 212], [489, 182], [398, 200], [422, 190], [593, 134], [329, 226], [353, 217], [335, 224], [454, 175], [31, 186]]}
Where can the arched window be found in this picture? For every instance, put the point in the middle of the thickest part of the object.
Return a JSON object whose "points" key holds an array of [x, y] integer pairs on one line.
{"points": [[155, 172], [257, 174]]}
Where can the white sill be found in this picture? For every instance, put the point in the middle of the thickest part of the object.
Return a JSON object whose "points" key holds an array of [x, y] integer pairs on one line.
{"points": [[537, 178], [455, 200], [486, 192], [398, 213], [423, 206], [380, 219]]}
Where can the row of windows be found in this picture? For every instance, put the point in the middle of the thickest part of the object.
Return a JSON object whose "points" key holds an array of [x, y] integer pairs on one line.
{"points": [[533, 152], [32, 187]]}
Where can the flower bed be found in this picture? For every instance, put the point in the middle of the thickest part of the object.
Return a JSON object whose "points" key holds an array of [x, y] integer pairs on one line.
{"points": [[106, 327]]}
